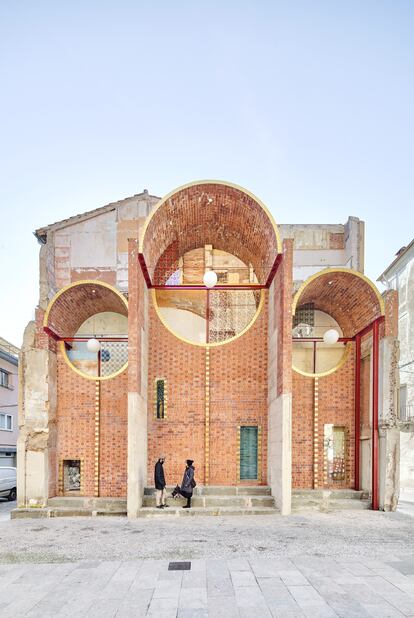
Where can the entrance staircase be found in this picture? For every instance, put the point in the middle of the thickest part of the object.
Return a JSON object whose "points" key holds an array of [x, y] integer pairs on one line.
{"points": [[328, 500], [242, 500], [213, 500]]}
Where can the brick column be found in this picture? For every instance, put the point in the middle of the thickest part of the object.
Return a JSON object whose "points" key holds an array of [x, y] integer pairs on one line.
{"points": [[280, 382]]}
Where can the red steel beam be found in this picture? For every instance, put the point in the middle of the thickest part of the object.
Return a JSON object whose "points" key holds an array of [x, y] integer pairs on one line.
{"points": [[51, 333], [100, 338], [144, 269], [208, 317], [320, 339], [247, 286], [375, 364], [357, 409], [367, 329], [273, 270]]}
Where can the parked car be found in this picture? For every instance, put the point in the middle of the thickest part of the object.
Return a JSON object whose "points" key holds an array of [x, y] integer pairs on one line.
{"points": [[8, 483]]}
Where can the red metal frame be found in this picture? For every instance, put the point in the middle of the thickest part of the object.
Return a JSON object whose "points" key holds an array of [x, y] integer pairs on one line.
{"points": [[252, 286], [208, 317], [273, 270], [357, 408], [374, 327], [247, 286], [375, 364], [51, 333], [99, 338], [144, 269]]}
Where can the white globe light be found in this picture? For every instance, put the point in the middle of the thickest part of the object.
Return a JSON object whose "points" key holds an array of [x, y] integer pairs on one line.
{"points": [[210, 279], [93, 345], [330, 336]]}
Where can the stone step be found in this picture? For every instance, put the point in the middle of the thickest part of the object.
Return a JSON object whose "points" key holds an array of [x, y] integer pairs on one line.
{"points": [[243, 501], [90, 503], [221, 490], [35, 513], [153, 512], [326, 500], [331, 505], [320, 494]]}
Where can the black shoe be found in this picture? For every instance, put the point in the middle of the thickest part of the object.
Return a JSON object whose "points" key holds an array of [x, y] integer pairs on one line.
{"points": [[160, 507], [186, 507], [165, 506]]}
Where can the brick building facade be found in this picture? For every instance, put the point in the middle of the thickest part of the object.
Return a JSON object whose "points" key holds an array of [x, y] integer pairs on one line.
{"points": [[220, 375]]}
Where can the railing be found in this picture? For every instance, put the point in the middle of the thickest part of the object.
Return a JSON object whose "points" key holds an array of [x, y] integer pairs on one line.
{"points": [[407, 414]]}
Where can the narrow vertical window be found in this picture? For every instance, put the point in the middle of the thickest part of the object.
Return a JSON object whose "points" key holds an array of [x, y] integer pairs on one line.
{"points": [[160, 398], [335, 453]]}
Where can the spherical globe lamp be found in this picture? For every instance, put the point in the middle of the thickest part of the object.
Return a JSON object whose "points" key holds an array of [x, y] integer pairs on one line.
{"points": [[210, 279], [330, 336], [93, 345]]}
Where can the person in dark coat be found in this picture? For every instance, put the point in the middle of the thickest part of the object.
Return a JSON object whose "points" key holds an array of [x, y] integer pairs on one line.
{"points": [[187, 485], [159, 480]]}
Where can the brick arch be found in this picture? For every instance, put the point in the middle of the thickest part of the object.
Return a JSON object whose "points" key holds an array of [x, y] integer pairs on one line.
{"points": [[77, 302], [212, 212], [347, 295]]}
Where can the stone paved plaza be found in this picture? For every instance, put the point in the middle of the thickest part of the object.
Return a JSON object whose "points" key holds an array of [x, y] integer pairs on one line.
{"points": [[316, 564]]}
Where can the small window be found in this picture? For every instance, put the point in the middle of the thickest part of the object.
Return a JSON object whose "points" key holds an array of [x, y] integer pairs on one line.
{"points": [[6, 422], [4, 378], [160, 398]]}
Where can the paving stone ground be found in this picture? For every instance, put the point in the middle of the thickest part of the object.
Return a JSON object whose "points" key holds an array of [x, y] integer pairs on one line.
{"points": [[344, 564], [248, 588]]}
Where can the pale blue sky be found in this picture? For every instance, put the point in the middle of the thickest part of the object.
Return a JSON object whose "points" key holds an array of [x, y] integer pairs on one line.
{"points": [[307, 104]]}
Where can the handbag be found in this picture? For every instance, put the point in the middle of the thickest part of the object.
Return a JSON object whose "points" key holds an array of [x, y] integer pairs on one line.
{"points": [[193, 483]]}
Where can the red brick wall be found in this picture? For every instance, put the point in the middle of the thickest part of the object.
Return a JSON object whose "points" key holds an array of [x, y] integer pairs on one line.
{"points": [[238, 395], [180, 435], [336, 405], [114, 436], [75, 421]]}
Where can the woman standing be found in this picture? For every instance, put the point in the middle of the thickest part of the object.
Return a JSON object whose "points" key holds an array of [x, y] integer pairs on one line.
{"points": [[187, 485]]}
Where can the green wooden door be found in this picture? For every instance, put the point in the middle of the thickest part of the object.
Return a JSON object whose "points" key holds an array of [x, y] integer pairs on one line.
{"points": [[248, 453]]}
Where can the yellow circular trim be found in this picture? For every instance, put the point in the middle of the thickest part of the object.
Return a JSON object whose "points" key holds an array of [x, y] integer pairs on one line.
{"points": [[207, 345], [108, 286], [212, 182], [322, 374], [102, 284], [85, 375], [337, 270]]}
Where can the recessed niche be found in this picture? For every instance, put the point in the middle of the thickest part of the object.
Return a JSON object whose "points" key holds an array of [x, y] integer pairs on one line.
{"points": [[71, 475]]}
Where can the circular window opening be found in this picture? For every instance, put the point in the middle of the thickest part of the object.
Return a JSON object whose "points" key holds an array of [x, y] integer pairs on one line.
{"points": [[310, 355], [106, 359], [213, 316]]}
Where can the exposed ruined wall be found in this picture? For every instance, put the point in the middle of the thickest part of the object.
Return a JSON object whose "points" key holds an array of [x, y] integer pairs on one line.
{"points": [[322, 246], [36, 445], [389, 433], [96, 247]]}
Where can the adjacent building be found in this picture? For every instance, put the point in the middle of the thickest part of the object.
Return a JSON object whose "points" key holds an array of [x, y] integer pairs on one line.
{"points": [[197, 327], [399, 276], [9, 355]]}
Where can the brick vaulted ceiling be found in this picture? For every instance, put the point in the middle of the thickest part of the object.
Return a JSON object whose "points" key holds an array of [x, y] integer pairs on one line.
{"points": [[350, 298], [211, 212], [74, 304]]}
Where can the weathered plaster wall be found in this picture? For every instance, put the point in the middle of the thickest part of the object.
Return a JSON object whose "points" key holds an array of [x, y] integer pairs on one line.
{"points": [[322, 246]]}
